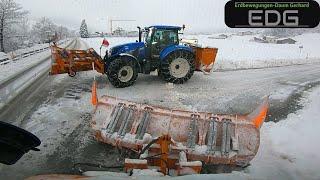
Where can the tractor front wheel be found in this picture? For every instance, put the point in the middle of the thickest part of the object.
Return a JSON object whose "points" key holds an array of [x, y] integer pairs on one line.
{"points": [[177, 67], [122, 72]]}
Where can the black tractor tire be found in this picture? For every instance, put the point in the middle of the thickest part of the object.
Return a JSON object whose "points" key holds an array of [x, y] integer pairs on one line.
{"points": [[178, 67], [122, 72]]}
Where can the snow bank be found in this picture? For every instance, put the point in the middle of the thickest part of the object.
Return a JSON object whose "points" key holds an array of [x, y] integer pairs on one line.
{"points": [[290, 149], [239, 52]]}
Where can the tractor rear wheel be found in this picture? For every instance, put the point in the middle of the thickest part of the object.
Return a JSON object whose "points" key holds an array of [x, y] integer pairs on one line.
{"points": [[122, 72], [177, 67]]}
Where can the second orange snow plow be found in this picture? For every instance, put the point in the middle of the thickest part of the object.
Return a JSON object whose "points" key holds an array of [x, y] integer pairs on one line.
{"points": [[176, 140]]}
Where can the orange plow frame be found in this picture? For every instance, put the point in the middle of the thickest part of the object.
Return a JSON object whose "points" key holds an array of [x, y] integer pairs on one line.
{"points": [[72, 61]]}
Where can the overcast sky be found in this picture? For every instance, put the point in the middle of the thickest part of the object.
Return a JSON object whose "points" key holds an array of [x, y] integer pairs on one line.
{"points": [[198, 15]]}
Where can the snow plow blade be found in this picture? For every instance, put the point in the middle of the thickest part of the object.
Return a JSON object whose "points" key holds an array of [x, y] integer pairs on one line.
{"points": [[205, 137], [72, 61]]}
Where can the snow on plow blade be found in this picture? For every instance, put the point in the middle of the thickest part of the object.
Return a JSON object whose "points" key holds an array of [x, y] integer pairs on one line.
{"points": [[206, 137]]}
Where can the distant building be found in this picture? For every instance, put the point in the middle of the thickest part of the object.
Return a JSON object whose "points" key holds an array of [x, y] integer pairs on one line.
{"points": [[286, 41], [132, 33], [259, 40], [244, 33], [274, 40], [119, 32], [220, 36], [270, 39]]}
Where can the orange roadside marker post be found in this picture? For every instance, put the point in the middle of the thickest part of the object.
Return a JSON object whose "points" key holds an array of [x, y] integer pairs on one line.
{"points": [[94, 96]]}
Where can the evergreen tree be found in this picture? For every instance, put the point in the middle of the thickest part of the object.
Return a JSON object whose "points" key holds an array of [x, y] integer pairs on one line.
{"points": [[84, 30]]}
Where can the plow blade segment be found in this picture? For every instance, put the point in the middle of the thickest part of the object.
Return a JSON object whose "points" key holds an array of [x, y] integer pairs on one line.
{"points": [[206, 137], [205, 58]]}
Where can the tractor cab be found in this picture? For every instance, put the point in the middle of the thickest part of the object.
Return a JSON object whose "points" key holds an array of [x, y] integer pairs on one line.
{"points": [[157, 38]]}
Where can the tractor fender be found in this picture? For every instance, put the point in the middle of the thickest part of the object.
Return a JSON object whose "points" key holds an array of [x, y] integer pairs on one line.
{"points": [[166, 51], [131, 57]]}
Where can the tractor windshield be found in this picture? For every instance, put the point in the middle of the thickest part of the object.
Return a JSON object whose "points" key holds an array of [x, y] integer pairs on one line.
{"points": [[166, 37]]}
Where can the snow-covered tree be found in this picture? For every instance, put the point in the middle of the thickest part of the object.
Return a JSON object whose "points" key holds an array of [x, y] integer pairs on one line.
{"points": [[84, 30], [11, 14], [43, 30]]}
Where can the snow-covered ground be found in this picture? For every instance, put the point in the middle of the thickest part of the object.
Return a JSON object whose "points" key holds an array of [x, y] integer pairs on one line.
{"points": [[239, 52], [289, 149]]}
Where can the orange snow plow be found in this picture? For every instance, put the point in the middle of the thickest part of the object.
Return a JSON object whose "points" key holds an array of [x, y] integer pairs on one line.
{"points": [[72, 61], [205, 58], [178, 140]]}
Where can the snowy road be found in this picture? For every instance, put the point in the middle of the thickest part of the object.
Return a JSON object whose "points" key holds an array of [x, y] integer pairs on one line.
{"points": [[57, 109]]}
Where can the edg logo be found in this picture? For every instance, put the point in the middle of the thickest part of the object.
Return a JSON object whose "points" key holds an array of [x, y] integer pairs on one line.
{"points": [[288, 18], [272, 14]]}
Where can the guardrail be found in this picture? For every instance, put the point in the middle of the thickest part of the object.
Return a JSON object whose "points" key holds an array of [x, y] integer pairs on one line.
{"points": [[14, 85], [7, 60]]}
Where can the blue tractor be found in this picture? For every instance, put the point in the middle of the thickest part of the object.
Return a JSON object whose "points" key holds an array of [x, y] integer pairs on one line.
{"points": [[160, 51]]}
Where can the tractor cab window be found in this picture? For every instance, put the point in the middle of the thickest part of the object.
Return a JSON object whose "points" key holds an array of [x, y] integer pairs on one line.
{"points": [[161, 39], [165, 37]]}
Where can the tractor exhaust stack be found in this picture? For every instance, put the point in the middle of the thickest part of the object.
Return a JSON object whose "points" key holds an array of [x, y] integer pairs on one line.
{"points": [[140, 33]]}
